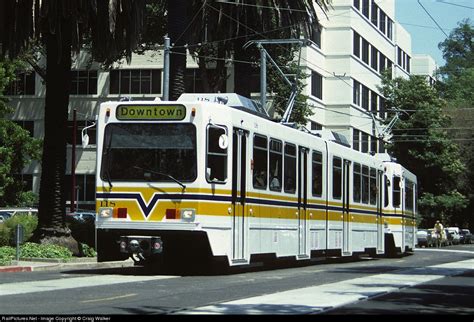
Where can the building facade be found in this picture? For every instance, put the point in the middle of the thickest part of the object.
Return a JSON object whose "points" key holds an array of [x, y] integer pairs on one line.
{"points": [[358, 40]]}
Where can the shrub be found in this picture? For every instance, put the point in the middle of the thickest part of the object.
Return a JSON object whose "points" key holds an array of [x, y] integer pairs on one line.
{"points": [[45, 251], [6, 255], [7, 230]]}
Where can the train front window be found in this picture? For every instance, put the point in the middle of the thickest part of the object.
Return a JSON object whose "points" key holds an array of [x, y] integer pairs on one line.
{"points": [[149, 152]]}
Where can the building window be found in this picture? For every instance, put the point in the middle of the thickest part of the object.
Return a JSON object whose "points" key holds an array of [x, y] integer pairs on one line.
{"points": [[316, 37], [383, 17], [373, 102], [365, 8], [356, 93], [381, 146], [365, 51], [374, 13], [365, 98], [373, 57], [373, 144], [192, 81], [135, 81], [356, 45], [316, 85], [389, 28], [382, 108], [357, 4], [83, 82], [355, 139], [316, 126], [365, 143], [382, 60], [24, 84]]}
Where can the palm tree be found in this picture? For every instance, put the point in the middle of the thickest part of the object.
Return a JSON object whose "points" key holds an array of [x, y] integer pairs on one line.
{"points": [[224, 28], [112, 27]]}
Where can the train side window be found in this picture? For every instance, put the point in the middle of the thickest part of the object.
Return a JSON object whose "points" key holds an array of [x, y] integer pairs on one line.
{"points": [[290, 168], [409, 205], [373, 186], [317, 179], [216, 163], [386, 184], [396, 192], [260, 153], [365, 184], [336, 178], [357, 181], [276, 160]]}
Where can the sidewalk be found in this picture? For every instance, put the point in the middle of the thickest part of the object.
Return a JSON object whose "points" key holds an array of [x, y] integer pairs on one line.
{"points": [[43, 264]]}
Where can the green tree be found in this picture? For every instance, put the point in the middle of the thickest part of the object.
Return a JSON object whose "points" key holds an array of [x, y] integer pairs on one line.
{"points": [[111, 28], [17, 147], [421, 143], [457, 75], [457, 87]]}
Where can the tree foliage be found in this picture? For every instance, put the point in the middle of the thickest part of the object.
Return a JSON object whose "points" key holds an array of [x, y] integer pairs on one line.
{"points": [[422, 144], [17, 147], [457, 87], [457, 82]]}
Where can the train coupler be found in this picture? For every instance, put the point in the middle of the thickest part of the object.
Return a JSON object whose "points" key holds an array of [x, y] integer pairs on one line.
{"points": [[140, 247]]}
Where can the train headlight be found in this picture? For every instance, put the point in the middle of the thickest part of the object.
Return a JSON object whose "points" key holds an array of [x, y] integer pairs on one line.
{"points": [[105, 212], [188, 214]]}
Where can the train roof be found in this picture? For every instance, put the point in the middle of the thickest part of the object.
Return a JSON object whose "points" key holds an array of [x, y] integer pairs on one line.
{"points": [[228, 99]]}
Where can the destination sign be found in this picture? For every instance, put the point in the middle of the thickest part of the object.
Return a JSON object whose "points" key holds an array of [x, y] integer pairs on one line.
{"points": [[151, 112]]}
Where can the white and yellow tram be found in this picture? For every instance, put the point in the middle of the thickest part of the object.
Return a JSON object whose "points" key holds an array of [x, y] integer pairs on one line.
{"points": [[210, 177]]}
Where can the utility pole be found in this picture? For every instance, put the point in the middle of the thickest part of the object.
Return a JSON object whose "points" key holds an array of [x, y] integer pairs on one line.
{"points": [[166, 69], [73, 161]]}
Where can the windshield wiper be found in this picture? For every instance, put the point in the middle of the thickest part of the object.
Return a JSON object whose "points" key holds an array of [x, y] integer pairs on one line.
{"points": [[107, 166], [162, 174]]}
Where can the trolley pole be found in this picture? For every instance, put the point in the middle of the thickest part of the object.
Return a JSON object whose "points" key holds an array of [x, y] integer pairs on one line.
{"points": [[263, 76], [166, 69]]}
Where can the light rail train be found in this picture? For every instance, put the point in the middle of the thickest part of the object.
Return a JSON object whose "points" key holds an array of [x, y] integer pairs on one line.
{"points": [[210, 179]]}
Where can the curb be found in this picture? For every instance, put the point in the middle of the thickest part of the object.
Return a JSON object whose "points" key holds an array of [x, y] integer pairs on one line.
{"points": [[15, 269], [54, 265]]}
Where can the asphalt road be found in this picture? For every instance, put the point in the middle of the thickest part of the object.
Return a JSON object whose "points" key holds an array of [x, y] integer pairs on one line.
{"points": [[429, 281]]}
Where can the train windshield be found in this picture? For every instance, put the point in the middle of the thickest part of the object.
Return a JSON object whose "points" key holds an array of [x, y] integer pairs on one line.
{"points": [[154, 152]]}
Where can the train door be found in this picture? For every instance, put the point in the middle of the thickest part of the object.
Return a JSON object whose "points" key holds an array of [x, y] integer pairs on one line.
{"points": [[346, 216], [380, 219], [239, 193], [303, 226]]}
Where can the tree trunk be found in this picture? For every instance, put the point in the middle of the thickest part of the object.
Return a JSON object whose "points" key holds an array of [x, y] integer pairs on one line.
{"points": [[52, 227], [177, 23]]}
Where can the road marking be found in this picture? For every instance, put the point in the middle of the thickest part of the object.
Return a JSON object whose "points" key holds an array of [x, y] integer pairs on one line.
{"points": [[110, 298], [73, 282], [444, 250], [323, 297]]}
